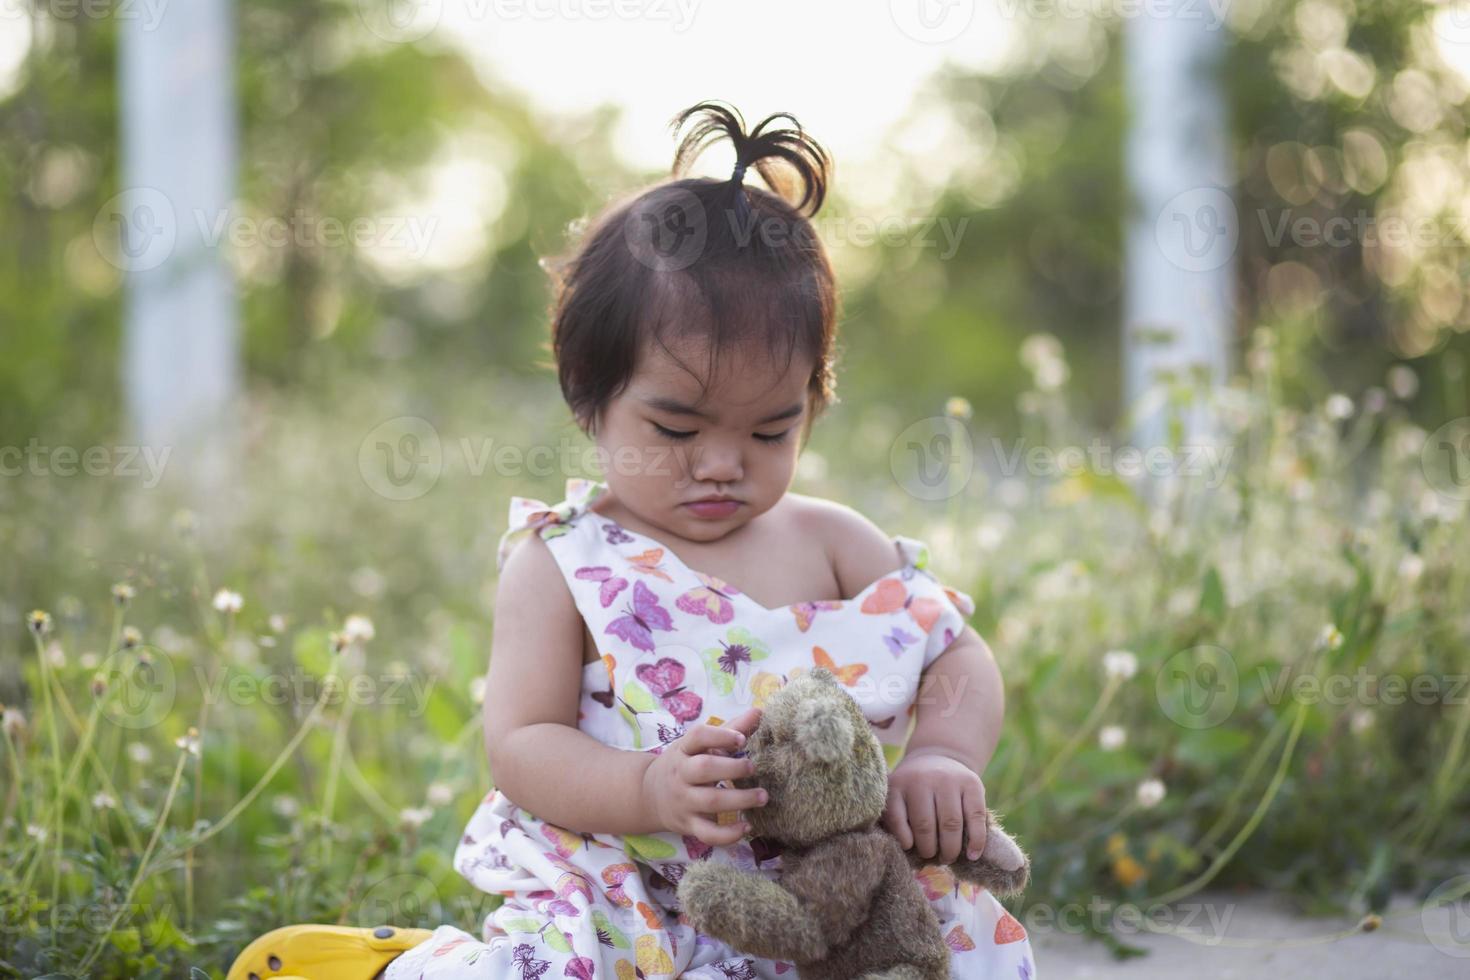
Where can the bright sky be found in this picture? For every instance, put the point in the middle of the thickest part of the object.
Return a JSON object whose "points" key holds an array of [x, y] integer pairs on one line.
{"points": [[847, 70]]}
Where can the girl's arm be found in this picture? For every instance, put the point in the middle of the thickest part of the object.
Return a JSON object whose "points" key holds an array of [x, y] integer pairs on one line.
{"points": [[538, 756], [543, 762], [935, 794], [961, 704]]}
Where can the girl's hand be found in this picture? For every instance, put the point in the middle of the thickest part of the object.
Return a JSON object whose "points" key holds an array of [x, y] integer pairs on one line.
{"points": [[678, 785], [932, 798]]}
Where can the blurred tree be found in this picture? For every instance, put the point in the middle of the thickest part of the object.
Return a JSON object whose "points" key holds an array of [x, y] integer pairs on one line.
{"points": [[346, 137]]}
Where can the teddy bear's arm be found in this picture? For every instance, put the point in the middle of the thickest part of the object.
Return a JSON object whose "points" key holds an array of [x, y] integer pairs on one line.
{"points": [[1002, 867], [838, 879], [750, 913]]}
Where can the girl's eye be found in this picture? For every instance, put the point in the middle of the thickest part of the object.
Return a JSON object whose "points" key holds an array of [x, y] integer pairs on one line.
{"points": [[678, 436], [671, 434]]}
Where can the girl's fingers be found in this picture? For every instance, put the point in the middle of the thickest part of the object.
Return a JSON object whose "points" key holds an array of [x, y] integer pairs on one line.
{"points": [[745, 723], [728, 800], [950, 813], [921, 822], [975, 822], [702, 769], [703, 738], [715, 834], [896, 816]]}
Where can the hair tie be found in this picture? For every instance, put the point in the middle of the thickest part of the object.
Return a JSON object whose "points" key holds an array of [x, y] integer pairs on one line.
{"points": [[739, 175]]}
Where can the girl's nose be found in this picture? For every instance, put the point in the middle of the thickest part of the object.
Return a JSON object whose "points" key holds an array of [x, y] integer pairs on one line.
{"points": [[713, 464]]}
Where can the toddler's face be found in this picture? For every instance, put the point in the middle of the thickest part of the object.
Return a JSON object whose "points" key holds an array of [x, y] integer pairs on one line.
{"points": [[666, 446]]}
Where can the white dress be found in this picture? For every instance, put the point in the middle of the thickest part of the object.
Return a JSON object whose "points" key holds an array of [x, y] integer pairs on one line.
{"points": [[680, 648]]}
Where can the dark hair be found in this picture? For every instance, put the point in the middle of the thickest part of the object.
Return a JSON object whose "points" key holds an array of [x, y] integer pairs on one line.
{"points": [[738, 265]]}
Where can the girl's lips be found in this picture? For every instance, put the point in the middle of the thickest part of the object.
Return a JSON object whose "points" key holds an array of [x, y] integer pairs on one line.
{"points": [[714, 508]]}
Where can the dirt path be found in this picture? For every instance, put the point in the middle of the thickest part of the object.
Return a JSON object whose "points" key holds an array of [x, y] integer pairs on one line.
{"points": [[1228, 936]]}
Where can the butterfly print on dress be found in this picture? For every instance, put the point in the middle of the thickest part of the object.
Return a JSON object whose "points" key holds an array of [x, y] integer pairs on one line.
{"points": [[615, 534], [642, 617], [609, 585], [666, 680]]}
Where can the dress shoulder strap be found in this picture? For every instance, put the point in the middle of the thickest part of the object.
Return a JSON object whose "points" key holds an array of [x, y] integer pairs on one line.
{"points": [[547, 520], [916, 559]]}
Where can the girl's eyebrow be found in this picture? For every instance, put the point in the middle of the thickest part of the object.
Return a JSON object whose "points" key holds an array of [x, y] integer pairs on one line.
{"points": [[675, 407]]}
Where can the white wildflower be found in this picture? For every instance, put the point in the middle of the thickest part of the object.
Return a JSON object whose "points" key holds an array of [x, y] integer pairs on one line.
{"points": [[37, 831], [358, 628], [1182, 602], [1150, 793], [1120, 664], [1411, 566], [439, 794], [14, 723], [1403, 382], [189, 741], [1051, 375], [228, 602], [39, 622], [286, 806], [103, 801], [415, 816], [140, 753], [1338, 406], [1360, 721], [1112, 737], [1330, 637]]}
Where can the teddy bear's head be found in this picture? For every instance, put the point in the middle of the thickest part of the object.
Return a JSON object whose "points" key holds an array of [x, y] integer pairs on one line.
{"points": [[820, 762]]}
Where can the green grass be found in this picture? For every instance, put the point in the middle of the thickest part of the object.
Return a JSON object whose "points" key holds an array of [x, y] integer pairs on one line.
{"points": [[1324, 558]]}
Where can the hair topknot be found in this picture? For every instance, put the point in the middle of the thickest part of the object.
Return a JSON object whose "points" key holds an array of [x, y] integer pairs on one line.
{"points": [[773, 152], [740, 268]]}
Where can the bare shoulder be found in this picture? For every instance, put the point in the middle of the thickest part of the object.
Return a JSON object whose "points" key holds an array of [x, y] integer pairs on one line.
{"points": [[536, 643], [860, 551], [531, 580]]}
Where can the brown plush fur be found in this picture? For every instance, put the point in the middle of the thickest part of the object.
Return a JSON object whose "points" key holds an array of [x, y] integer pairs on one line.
{"points": [[847, 905]]}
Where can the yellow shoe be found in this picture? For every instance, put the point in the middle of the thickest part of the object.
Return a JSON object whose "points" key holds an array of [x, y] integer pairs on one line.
{"points": [[323, 953]]}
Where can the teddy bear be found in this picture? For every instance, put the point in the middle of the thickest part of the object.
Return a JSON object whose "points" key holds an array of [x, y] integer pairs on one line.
{"points": [[847, 904]]}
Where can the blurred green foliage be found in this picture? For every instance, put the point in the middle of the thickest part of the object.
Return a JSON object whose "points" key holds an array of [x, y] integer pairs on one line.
{"points": [[1339, 110]]}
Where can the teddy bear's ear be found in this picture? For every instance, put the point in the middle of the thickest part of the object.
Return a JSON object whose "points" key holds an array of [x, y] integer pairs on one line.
{"points": [[823, 674], [823, 731]]}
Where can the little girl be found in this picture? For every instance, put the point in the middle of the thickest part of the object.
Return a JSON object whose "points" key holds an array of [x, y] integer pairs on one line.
{"points": [[640, 628]]}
